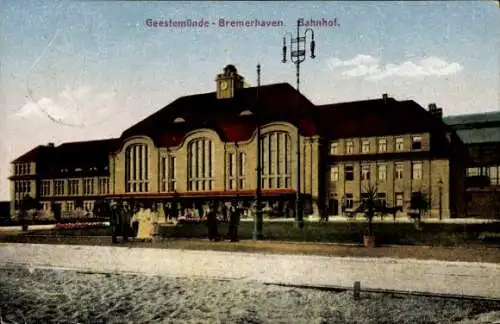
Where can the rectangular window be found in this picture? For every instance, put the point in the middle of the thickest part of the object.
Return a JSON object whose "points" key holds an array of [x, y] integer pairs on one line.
{"points": [[349, 147], [45, 188], [417, 170], [88, 186], [365, 147], [382, 172], [163, 173], [59, 187], [172, 182], [365, 172], [494, 175], [70, 206], [241, 170], [334, 173], [416, 143], [382, 198], [103, 186], [398, 170], [334, 148], [349, 201], [349, 173], [400, 144], [399, 199], [73, 187], [473, 172], [382, 145]]}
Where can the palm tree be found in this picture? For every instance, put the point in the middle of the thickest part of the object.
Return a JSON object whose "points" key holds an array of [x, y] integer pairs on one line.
{"points": [[370, 205]]}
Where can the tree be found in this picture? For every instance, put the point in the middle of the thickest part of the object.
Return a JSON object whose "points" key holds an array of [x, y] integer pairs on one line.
{"points": [[420, 204], [370, 205]]}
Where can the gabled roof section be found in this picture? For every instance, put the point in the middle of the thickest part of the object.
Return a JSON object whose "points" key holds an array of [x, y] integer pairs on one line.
{"points": [[276, 102], [30, 156], [476, 128], [488, 117]]}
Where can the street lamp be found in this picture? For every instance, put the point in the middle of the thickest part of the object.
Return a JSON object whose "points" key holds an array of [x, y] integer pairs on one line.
{"points": [[440, 183], [257, 233], [297, 56]]}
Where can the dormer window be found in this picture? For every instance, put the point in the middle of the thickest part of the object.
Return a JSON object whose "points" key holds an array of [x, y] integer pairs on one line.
{"points": [[246, 113], [416, 143], [179, 120], [78, 170]]}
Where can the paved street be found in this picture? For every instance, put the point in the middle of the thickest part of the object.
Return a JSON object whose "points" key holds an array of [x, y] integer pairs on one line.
{"points": [[451, 278]]}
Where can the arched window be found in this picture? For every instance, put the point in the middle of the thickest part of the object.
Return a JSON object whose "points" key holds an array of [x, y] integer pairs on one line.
{"points": [[276, 160], [136, 168], [200, 173]]}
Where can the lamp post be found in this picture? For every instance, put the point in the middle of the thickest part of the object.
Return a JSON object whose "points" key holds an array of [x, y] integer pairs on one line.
{"points": [[257, 233], [440, 183], [297, 56]]}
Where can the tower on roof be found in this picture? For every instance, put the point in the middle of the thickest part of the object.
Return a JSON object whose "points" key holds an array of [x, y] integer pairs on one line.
{"points": [[228, 81]]}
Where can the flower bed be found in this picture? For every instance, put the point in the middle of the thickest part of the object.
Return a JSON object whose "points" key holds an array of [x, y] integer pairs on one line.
{"points": [[81, 225]]}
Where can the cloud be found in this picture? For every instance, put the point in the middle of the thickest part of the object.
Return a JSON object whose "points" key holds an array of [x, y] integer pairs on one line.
{"points": [[370, 68], [77, 107]]}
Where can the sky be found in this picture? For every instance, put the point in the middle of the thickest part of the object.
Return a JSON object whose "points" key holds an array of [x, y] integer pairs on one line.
{"points": [[84, 70]]}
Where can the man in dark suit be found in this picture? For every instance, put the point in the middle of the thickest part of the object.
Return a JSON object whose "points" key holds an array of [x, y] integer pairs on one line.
{"points": [[234, 221]]}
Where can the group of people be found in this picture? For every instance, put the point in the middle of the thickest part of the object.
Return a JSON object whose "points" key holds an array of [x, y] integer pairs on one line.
{"points": [[126, 222], [234, 212]]}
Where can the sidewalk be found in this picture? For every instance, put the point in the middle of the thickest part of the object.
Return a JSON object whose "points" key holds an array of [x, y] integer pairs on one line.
{"points": [[386, 274]]}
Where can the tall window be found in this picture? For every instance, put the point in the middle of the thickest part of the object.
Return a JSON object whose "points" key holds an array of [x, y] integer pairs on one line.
{"points": [[365, 172], [137, 168], [172, 183], [334, 148], [382, 198], [382, 172], [399, 199], [231, 168], [241, 170], [45, 188], [382, 145], [349, 147], [417, 170], [400, 144], [349, 173], [73, 187], [334, 173], [365, 146], [167, 173], [59, 188], [276, 162], [349, 201], [88, 186], [399, 170], [200, 173], [103, 186]]}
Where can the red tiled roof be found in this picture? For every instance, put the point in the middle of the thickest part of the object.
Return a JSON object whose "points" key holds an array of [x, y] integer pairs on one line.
{"points": [[277, 102], [375, 118]]}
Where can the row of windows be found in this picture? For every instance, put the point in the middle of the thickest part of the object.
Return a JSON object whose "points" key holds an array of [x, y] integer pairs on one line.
{"points": [[492, 172], [276, 149], [365, 174], [73, 187], [381, 196], [22, 169], [381, 146], [22, 186]]}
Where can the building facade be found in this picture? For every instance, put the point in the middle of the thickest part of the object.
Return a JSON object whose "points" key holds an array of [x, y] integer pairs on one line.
{"points": [[203, 147], [481, 135]]}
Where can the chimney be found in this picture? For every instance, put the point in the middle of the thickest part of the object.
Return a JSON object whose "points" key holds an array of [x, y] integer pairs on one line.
{"points": [[51, 144], [435, 111], [385, 97]]}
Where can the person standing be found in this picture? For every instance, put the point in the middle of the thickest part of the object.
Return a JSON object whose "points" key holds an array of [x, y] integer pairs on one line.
{"points": [[114, 220], [213, 234], [234, 221]]}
